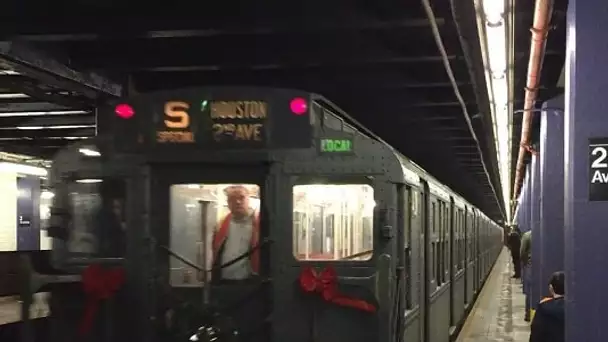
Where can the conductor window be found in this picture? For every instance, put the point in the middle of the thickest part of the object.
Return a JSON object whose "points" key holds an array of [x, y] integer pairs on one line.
{"points": [[333, 222], [212, 225]]}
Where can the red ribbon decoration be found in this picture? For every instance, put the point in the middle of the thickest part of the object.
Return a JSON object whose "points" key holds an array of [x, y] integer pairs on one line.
{"points": [[326, 284], [98, 285]]}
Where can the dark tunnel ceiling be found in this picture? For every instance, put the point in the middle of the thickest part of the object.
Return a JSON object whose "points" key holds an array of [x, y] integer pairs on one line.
{"points": [[378, 61]]}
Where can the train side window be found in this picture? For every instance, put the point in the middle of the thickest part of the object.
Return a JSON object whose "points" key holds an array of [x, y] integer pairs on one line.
{"points": [[333, 222], [97, 221], [446, 242], [442, 242], [461, 247], [410, 210], [432, 239], [213, 224]]}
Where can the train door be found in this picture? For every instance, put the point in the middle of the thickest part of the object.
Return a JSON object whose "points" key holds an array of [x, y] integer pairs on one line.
{"points": [[427, 261], [330, 226], [467, 252], [452, 261], [214, 217], [28, 230]]}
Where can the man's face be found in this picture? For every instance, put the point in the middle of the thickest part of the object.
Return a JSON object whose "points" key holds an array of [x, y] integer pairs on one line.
{"points": [[238, 201]]}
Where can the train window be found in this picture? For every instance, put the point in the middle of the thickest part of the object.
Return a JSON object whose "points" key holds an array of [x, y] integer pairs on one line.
{"points": [[213, 224], [446, 242], [97, 221], [409, 211], [46, 201], [460, 239], [434, 244], [441, 239], [333, 222], [330, 120]]}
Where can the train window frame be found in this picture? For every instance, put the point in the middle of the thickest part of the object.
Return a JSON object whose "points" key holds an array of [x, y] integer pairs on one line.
{"points": [[302, 180], [65, 258]]}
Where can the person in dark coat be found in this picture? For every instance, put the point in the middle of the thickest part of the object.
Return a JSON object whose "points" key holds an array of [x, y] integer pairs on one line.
{"points": [[548, 324], [514, 246]]}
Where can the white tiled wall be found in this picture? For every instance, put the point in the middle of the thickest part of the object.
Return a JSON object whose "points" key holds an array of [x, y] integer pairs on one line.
{"points": [[8, 211]]}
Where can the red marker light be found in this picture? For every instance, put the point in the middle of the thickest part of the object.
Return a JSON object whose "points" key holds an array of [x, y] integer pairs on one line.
{"points": [[298, 106], [124, 111]]}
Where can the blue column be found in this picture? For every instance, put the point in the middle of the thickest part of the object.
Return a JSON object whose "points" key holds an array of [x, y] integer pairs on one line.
{"points": [[526, 218], [586, 117], [551, 232], [535, 226], [527, 201]]}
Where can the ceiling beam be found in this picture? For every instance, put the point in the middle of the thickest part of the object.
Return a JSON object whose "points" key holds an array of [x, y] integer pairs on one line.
{"points": [[30, 107], [313, 80], [255, 52], [48, 120], [343, 24], [36, 64], [47, 133]]}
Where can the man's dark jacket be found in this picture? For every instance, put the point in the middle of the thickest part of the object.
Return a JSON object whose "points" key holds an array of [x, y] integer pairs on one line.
{"points": [[548, 324]]}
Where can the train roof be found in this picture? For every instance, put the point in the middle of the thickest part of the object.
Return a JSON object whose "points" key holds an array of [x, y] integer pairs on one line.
{"points": [[412, 171]]}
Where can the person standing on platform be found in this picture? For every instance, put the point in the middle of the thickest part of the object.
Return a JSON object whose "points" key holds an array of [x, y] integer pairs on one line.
{"points": [[548, 324], [514, 246], [526, 262]]}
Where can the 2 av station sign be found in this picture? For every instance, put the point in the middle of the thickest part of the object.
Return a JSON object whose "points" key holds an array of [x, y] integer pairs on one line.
{"points": [[598, 169]]}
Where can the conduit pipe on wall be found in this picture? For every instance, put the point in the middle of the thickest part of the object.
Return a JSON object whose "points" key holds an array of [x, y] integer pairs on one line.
{"points": [[543, 10]]}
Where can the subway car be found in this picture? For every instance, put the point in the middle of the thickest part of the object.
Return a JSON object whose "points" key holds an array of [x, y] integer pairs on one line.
{"points": [[254, 214]]}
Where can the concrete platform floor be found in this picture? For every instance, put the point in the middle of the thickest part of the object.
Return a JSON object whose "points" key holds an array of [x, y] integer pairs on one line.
{"points": [[498, 314], [10, 308]]}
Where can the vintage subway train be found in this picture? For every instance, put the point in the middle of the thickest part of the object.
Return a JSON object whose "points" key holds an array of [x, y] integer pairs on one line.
{"points": [[345, 238]]}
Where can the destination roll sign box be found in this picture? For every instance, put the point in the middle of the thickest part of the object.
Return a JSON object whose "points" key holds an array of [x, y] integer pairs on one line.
{"points": [[217, 123]]}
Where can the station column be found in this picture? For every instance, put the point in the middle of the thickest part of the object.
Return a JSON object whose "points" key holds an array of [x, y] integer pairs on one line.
{"points": [[551, 237], [586, 171]]}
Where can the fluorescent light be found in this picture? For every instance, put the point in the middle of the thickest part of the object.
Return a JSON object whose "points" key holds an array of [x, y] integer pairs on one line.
{"points": [[13, 96], [89, 152], [493, 34], [497, 50], [34, 128], [89, 181], [52, 112], [47, 195], [23, 169], [9, 72], [494, 10]]}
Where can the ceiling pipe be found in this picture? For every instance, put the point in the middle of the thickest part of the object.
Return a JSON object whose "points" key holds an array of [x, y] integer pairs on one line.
{"points": [[543, 10]]}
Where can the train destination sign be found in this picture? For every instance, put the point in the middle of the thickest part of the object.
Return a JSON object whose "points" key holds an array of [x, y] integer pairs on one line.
{"points": [[232, 123], [598, 169]]}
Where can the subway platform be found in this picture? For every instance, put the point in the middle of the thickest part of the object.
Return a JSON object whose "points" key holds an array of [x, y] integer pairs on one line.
{"points": [[498, 314], [10, 308]]}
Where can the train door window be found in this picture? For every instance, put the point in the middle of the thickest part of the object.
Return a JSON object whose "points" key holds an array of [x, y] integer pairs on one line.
{"points": [[97, 225], [335, 222], [213, 224]]}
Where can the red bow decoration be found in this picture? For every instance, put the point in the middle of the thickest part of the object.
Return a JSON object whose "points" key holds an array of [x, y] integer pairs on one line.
{"points": [[326, 284], [98, 285]]}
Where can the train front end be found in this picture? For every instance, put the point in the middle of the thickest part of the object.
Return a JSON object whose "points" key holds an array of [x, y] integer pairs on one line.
{"points": [[219, 215]]}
